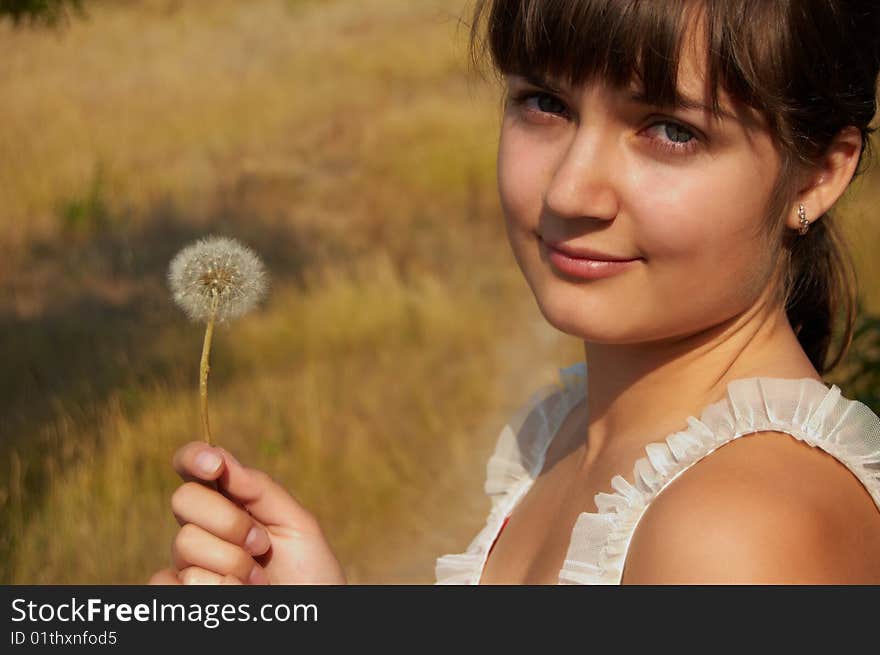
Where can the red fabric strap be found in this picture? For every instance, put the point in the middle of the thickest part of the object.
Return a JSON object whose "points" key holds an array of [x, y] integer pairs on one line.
{"points": [[498, 535]]}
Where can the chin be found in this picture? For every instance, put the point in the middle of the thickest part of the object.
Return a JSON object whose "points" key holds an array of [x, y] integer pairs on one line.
{"points": [[600, 325]]}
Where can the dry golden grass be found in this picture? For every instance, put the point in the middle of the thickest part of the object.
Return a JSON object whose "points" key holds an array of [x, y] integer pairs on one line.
{"points": [[345, 142], [359, 395], [305, 98]]}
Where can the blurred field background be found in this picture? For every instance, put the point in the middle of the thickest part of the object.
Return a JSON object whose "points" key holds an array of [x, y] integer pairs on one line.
{"points": [[349, 145]]}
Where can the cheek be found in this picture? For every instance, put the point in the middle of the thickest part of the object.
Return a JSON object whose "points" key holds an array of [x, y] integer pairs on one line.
{"points": [[519, 178], [698, 227]]}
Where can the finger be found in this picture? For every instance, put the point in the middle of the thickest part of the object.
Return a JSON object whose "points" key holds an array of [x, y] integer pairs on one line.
{"points": [[197, 461], [194, 503], [266, 500], [194, 575], [164, 577], [196, 546]]}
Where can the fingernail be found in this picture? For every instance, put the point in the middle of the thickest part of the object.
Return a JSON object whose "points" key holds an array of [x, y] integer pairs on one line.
{"points": [[256, 542], [208, 462], [258, 575], [195, 579]]}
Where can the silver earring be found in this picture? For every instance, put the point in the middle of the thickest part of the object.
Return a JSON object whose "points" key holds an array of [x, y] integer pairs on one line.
{"points": [[805, 224]]}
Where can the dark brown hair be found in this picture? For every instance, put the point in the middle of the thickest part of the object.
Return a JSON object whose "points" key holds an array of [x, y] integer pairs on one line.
{"points": [[809, 67]]}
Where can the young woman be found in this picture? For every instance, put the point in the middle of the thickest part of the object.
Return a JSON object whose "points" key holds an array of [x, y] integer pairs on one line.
{"points": [[667, 171]]}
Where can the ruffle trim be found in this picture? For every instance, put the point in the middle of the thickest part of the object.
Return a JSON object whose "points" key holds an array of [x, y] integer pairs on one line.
{"points": [[515, 463], [805, 409]]}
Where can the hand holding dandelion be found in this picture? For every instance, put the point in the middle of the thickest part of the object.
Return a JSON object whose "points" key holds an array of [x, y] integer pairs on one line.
{"points": [[214, 280]]}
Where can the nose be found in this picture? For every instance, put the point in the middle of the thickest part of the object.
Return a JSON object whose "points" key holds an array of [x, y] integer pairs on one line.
{"points": [[582, 186]]}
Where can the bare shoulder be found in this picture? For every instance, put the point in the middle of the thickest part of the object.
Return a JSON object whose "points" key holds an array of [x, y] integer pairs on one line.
{"points": [[765, 508]]}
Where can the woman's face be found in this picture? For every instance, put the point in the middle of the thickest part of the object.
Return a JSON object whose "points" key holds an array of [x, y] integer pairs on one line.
{"points": [[681, 191]]}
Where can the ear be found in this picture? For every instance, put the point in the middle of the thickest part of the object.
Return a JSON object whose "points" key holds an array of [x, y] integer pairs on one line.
{"points": [[827, 182]]}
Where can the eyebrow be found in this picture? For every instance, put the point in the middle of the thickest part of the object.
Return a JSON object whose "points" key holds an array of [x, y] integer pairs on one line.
{"points": [[636, 95], [542, 82], [684, 102]]}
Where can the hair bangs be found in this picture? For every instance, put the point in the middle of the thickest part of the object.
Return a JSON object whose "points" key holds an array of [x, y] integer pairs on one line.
{"points": [[636, 41]]}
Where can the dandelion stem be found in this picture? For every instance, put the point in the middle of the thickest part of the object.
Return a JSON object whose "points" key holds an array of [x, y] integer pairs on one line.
{"points": [[204, 368]]}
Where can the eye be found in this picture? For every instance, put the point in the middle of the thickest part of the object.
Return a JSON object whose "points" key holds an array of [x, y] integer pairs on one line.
{"points": [[671, 136], [544, 103], [677, 133]]}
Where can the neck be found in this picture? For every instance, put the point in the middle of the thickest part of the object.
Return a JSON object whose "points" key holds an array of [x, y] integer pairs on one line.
{"points": [[639, 393]]}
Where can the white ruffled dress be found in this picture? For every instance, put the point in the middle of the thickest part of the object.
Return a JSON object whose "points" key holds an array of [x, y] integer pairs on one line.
{"points": [[805, 408]]}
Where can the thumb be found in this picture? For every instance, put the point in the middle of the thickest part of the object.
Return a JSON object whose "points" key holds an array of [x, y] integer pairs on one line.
{"points": [[266, 500]]}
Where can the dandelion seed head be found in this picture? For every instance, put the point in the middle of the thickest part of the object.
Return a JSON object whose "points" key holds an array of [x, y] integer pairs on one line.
{"points": [[217, 269]]}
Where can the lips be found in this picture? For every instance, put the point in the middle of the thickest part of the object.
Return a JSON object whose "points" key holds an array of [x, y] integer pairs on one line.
{"points": [[581, 252], [585, 268]]}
